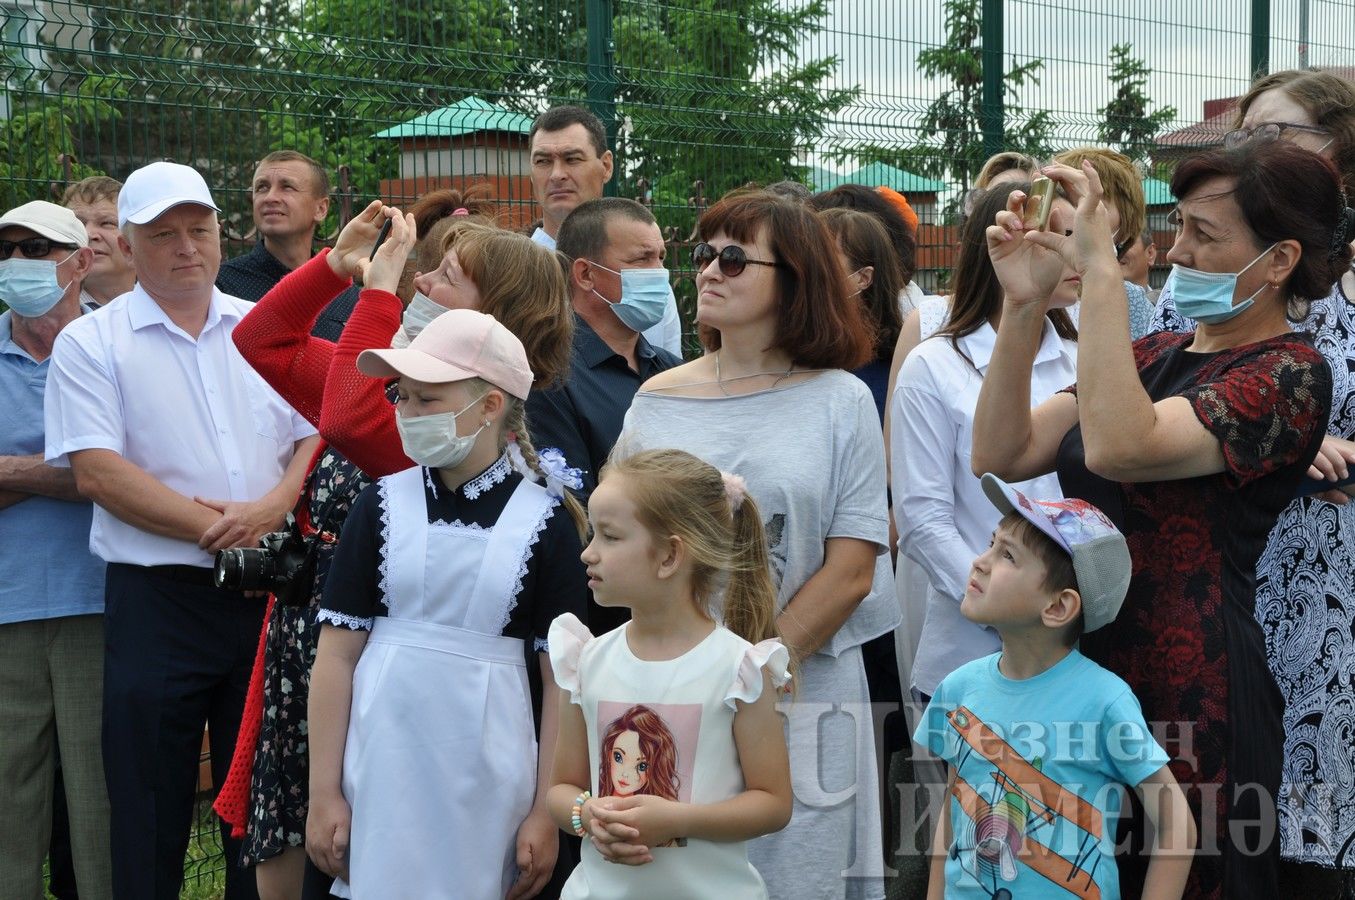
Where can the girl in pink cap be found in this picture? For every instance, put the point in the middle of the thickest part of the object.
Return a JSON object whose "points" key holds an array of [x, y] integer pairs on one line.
{"points": [[420, 717]]}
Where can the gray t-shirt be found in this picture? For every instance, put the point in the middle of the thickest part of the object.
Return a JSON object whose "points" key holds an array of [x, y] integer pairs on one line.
{"points": [[812, 455]]}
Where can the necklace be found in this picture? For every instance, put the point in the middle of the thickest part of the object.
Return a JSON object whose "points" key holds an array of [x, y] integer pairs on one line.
{"points": [[720, 382]]}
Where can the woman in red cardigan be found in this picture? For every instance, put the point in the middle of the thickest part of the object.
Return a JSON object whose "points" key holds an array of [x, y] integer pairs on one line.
{"points": [[265, 797]]}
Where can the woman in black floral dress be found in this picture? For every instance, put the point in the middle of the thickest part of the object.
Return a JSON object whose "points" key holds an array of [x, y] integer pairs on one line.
{"points": [[278, 784], [1193, 444]]}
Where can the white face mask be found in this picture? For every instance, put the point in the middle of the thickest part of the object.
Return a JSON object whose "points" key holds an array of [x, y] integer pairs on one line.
{"points": [[421, 311], [432, 440]]}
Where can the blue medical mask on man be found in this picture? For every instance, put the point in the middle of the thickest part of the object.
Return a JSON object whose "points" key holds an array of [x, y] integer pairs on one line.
{"points": [[29, 286], [1207, 297], [645, 295]]}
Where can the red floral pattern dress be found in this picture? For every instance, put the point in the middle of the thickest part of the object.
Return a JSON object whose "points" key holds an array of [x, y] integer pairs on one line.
{"points": [[1186, 639]]}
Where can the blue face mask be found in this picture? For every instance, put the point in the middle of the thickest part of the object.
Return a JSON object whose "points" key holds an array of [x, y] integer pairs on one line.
{"points": [[29, 286], [1207, 297], [645, 295]]}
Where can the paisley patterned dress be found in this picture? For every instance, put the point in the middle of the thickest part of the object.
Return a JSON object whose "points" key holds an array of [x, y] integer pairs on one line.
{"points": [[1305, 602]]}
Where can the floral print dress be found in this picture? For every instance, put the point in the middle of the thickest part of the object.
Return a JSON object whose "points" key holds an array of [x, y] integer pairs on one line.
{"points": [[1186, 639], [1305, 600], [278, 788]]}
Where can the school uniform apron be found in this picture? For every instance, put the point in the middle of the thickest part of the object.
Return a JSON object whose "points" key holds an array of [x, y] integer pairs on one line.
{"points": [[440, 761]]}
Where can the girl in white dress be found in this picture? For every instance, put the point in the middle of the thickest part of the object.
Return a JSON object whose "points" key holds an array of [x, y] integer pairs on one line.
{"points": [[671, 753], [425, 778]]}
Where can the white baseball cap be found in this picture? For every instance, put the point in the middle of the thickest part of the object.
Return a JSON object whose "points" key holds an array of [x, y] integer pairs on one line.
{"points": [[56, 223], [154, 188]]}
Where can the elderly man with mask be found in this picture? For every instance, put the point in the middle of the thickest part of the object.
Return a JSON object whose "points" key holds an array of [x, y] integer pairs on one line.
{"points": [[51, 594], [185, 451], [572, 165]]}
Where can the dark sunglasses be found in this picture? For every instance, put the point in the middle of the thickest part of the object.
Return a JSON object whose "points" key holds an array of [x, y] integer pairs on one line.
{"points": [[733, 260], [33, 248]]}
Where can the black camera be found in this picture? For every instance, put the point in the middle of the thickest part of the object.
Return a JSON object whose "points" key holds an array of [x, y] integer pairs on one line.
{"points": [[272, 566]]}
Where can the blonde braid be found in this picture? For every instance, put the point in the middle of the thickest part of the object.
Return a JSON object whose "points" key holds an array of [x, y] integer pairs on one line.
{"points": [[515, 423]]}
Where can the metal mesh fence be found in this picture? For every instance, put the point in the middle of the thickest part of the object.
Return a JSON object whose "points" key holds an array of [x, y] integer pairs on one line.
{"points": [[397, 97], [700, 95]]}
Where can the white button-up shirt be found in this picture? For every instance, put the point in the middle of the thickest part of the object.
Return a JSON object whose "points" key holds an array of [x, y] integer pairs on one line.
{"points": [[192, 413], [944, 519]]}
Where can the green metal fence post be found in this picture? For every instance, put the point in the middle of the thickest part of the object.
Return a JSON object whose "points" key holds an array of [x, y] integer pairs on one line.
{"points": [[1260, 37], [991, 114], [602, 73]]}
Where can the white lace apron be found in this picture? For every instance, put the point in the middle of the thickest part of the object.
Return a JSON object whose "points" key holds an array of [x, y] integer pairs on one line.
{"points": [[440, 761]]}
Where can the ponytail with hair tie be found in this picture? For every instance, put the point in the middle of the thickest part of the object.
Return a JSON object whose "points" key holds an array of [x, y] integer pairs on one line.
{"points": [[735, 489]]}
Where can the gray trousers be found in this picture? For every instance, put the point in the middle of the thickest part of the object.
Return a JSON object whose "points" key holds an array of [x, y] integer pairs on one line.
{"points": [[51, 698]]}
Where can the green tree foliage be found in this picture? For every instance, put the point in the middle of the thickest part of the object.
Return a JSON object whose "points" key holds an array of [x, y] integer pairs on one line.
{"points": [[38, 147], [709, 90], [952, 148], [713, 91], [1126, 119]]}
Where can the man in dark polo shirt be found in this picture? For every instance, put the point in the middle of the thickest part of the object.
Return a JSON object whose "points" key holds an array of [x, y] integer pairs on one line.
{"points": [[290, 199], [605, 239]]}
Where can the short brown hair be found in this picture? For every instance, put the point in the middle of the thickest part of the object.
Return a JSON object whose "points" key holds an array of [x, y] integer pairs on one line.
{"points": [[92, 190], [1327, 97], [558, 118], [583, 234], [1121, 182], [523, 285], [1059, 574], [815, 323], [319, 177]]}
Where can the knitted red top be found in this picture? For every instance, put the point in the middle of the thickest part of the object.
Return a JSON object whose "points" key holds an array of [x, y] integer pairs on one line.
{"points": [[321, 382]]}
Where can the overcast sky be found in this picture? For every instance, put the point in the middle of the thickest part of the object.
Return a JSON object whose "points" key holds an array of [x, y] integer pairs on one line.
{"points": [[1196, 49]]}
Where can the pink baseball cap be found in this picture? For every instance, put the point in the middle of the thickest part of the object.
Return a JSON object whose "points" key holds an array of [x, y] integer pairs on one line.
{"points": [[1099, 551], [459, 344]]}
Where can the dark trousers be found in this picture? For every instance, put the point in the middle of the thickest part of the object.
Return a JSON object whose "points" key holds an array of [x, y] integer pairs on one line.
{"points": [[178, 654]]}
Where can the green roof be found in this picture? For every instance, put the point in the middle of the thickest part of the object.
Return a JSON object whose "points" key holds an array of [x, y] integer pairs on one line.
{"points": [[1157, 193], [823, 179], [465, 116], [880, 174]]}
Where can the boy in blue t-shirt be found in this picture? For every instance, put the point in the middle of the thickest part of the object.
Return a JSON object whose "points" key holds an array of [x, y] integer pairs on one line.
{"points": [[1039, 740]]}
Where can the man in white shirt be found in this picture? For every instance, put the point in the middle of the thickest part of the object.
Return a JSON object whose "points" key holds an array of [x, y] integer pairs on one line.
{"points": [[571, 165], [185, 451]]}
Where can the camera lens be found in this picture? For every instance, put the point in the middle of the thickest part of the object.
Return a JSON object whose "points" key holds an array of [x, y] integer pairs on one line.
{"points": [[245, 569]]}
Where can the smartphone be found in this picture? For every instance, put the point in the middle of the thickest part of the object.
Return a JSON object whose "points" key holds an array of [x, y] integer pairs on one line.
{"points": [[381, 238], [1038, 204], [1311, 486]]}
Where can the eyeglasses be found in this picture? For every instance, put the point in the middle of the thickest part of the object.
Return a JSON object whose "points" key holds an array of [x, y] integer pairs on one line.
{"points": [[33, 248], [733, 259], [1270, 131]]}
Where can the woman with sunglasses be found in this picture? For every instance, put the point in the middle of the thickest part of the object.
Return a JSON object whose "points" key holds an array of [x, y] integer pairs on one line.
{"points": [[1193, 444], [1305, 581], [771, 401]]}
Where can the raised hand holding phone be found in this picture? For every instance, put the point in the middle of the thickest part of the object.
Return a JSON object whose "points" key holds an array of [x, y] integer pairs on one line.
{"points": [[355, 242], [386, 262]]}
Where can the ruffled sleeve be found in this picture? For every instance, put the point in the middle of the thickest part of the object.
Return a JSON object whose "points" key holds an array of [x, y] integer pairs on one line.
{"points": [[771, 655], [567, 638]]}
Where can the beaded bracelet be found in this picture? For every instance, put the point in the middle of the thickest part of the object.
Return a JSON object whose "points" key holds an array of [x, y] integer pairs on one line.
{"points": [[576, 813]]}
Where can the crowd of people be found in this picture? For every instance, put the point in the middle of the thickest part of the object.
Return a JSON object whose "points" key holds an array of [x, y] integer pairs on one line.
{"points": [[481, 590]]}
